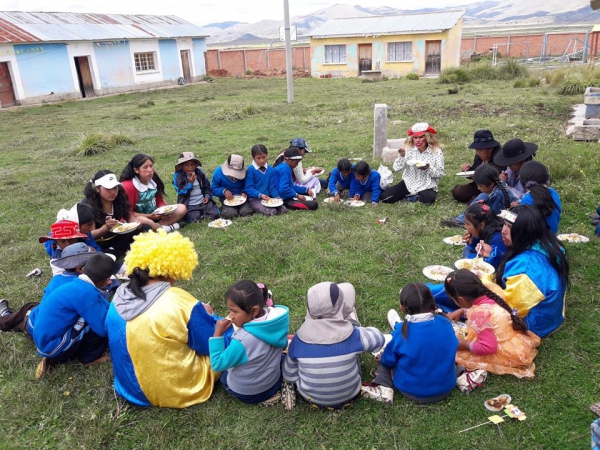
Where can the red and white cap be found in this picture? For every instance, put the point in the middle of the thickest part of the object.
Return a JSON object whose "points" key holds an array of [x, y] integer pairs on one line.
{"points": [[419, 129]]}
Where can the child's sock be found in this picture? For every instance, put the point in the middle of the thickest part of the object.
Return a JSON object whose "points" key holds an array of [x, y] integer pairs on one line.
{"points": [[169, 228]]}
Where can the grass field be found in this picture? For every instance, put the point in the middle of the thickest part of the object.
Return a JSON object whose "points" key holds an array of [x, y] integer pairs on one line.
{"points": [[41, 171]]}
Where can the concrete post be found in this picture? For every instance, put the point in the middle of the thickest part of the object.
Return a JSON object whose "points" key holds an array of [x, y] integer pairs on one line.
{"points": [[379, 129]]}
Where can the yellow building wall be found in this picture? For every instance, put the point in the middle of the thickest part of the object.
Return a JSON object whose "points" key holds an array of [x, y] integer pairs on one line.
{"points": [[450, 52]]}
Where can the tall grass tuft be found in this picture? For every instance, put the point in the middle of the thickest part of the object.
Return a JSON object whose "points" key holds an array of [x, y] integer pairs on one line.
{"points": [[511, 70], [121, 139], [234, 112], [412, 76], [95, 144], [454, 75], [483, 70]]}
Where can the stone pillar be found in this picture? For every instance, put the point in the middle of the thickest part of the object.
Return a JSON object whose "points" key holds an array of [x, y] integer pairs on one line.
{"points": [[379, 129]]}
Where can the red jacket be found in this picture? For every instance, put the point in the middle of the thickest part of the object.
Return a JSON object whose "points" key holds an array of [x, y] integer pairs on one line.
{"points": [[133, 195]]}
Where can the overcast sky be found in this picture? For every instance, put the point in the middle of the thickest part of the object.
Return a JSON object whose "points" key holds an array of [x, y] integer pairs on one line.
{"points": [[202, 12]]}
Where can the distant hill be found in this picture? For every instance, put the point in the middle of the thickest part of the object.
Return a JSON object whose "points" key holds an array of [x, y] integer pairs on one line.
{"points": [[487, 12]]}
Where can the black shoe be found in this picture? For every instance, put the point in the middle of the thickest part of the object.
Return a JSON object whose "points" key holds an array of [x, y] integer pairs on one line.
{"points": [[594, 222], [594, 216], [182, 223], [452, 223], [4, 309]]}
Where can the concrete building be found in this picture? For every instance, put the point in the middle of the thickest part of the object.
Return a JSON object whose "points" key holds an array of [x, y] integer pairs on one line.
{"points": [[57, 56], [389, 45]]}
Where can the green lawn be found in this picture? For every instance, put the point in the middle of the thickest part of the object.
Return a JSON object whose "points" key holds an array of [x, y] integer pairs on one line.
{"points": [[75, 407]]}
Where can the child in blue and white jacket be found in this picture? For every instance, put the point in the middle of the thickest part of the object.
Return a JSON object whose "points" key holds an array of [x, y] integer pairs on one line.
{"points": [[366, 184], [227, 182], [251, 364]]}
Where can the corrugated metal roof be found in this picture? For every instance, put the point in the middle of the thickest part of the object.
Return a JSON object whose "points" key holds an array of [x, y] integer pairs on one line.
{"points": [[380, 25], [21, 27]]}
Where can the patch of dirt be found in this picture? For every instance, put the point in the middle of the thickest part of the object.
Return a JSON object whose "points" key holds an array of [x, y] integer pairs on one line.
{"points": [[219, 73]]}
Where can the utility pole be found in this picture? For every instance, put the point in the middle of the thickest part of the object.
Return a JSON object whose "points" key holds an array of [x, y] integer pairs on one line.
{"points": [[288, 53]]}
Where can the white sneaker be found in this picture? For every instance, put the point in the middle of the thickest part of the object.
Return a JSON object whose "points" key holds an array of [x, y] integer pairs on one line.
{"points": [[393, 318], [379, 393]]}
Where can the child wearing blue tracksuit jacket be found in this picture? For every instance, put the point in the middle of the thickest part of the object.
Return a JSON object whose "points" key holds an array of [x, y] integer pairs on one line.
{"points": [[193, 189], [69, 323], [341, 177], [251, 364], [261, 184], [294, 196], [366, 185], [227, 182]]}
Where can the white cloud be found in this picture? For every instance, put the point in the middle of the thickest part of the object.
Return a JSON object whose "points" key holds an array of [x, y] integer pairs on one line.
{"points": [[205, 12]]}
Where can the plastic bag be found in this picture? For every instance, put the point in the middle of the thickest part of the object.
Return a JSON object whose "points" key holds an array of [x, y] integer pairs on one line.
{"points": [[387, 177]]}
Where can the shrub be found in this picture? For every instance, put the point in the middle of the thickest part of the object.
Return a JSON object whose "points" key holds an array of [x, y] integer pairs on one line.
{"points": [[574, 84], [94, 144], [511, 70], [121, 139], [146, 104], [533, 82], [519, 83], [483, 70], [412, 76], [454, 75]]}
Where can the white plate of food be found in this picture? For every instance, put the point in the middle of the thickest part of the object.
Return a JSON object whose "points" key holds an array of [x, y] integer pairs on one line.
{"points": [[272, 202], [125, 228], [477, 265], [237, 200], [457, 239], [573, 238], [498, 403], [460, 329], [468, 173], [315, 174], [219, 223], [354, 203], [437, 272], [416, 162], [329, 200], [165, 210]]}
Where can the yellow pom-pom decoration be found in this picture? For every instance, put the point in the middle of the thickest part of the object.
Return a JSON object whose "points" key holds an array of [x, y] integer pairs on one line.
{"points": [[162, 254]]}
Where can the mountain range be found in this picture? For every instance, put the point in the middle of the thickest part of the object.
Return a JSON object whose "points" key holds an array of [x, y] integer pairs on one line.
{"points": [[487, 12]]}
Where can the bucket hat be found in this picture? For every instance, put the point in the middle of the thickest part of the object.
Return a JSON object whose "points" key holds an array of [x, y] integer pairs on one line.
{"points": [[515, 151], [234, 167], [74, 255], [185, 157]]}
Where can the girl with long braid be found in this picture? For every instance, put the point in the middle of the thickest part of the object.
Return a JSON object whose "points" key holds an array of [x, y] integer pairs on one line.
{"points": [[496, 193], [497, 340], [536, 178]]}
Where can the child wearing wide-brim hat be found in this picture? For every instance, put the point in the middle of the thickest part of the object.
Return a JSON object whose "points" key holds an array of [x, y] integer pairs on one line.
{"points": [[486, 148], [514, 154], [193, 189], [62, 234], [228, 182]]}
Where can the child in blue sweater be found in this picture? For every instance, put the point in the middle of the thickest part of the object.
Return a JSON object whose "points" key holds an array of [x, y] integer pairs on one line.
{"points": [[227, 183], [260, 183], [366, 185], [419, 360], [69, 323], [251, 364], [294, 196], [484, 229], [536, 179], [340, 179]]}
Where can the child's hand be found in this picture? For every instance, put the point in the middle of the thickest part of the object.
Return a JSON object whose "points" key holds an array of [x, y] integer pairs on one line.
{"points": [[455, 316], [221, 327], [357, 197], [378, 357], [402, 152], [205, 200], [110, 221], [503, 176], [265, 197], [244, 195], [317, 170], [337, 198], [485, 250], [465, 167], [228, 195], [191, 177], [515, 203], [467, 237], [311, 193]]}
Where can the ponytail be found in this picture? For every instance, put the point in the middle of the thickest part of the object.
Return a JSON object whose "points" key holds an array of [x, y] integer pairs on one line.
{"points": [[137, 280]]}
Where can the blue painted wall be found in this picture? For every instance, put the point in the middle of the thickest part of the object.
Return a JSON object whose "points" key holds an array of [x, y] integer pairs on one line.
{"points": [[199, 47], [44, 68], [114, 64], [169, 57]]}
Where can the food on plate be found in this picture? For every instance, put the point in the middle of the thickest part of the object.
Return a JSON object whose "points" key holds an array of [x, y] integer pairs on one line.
{"points": [[460, 329], [355, 203], [272, 202], [416, 163], [573, 238], [219, 223], [329, 200], [164, 210], [237, 200], [455, 240], [436, 272], [478, 266], [125, 227], [498, 403]]}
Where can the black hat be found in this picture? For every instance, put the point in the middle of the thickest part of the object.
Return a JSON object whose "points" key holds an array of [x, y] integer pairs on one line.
{"points": [[484, 139], [515, 151], [292, 153]]}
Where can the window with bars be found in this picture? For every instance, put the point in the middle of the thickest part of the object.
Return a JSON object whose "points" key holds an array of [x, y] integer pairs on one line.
{"points": [[335, 53], [144, 61], [399, 51]]}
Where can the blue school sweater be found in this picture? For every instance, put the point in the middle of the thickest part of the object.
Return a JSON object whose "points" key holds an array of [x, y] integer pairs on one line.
{"points": [[370, 184], [221, 183], [285, 183], [336, 179], [258, 183], [423, 363], [554, 218], [66, 315]]}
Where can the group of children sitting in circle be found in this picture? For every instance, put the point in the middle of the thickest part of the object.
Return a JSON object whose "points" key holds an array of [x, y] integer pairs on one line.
{"points": [[170, 350]]}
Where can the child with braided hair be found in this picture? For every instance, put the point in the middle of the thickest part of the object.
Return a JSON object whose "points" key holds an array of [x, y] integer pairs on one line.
{"points": [[498, 340], [536, 178], [483, 234], [496, 193]]}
